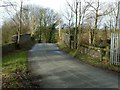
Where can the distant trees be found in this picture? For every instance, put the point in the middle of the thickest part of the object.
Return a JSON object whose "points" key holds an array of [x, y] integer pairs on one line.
{"points": [[44, 22], [84, 20], [7, 32], [39, 22]]}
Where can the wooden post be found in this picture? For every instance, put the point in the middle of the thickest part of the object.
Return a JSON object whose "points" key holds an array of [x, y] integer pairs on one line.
{"points": [[101, 55], [107, 52]]}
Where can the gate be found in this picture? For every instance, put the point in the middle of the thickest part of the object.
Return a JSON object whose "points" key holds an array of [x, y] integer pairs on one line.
{"points": [[115, 49]]}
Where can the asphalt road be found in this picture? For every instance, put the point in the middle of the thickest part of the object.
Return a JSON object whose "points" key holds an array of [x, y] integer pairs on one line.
{"points": [[52, 68]]}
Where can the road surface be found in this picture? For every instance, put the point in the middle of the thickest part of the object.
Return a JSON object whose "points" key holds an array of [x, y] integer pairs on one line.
{"points": [[52, 68]]}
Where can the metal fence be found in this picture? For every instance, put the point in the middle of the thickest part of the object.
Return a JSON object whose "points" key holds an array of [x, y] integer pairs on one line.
{"points": [[115, 49]]}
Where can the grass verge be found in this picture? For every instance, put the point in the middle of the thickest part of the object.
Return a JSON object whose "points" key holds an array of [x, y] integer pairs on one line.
{"points": [[15, 73], [14, 68], [88, 59]]}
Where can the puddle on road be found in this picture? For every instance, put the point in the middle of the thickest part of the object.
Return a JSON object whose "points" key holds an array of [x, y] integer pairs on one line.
{"points": [[58, 52], [55, 52]]}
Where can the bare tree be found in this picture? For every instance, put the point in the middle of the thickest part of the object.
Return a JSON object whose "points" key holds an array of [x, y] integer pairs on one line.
{"points": [[83, 12], [116, 12], [69, 15], [74, 9], [17, 18], [80, 10], [97, 10]]}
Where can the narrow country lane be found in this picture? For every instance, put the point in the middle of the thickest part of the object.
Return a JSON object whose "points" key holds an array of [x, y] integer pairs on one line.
{"points": [[55, 69]]}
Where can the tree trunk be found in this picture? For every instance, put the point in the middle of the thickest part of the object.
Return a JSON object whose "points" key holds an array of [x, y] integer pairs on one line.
{"points": [[76, 28], [20, 28]]}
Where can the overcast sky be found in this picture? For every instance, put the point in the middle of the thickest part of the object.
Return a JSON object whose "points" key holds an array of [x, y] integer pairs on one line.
{"points": [[53, 4], [56, 5]]}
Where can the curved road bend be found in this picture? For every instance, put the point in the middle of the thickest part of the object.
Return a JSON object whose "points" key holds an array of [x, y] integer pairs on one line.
{"points": [[52, 68]]}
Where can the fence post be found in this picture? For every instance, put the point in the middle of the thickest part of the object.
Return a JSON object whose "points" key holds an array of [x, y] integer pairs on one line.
{"points": [[101, 58], [107, 53], [102, 54]]}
